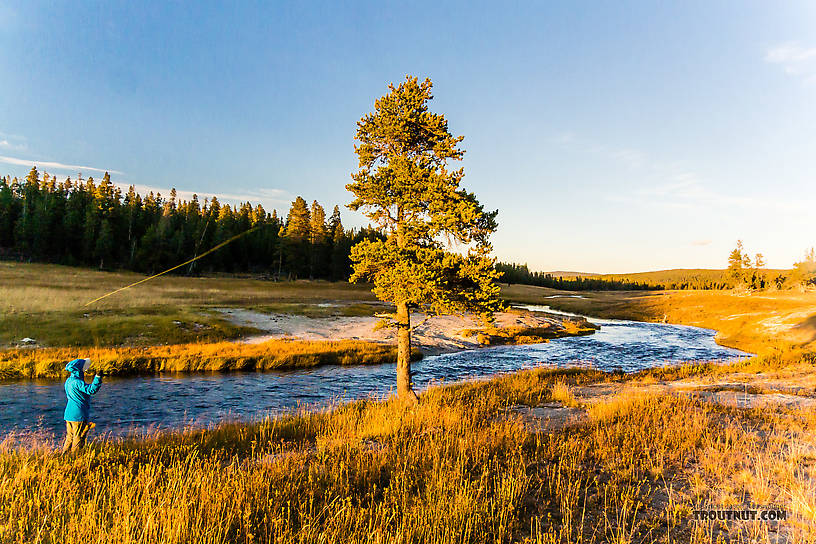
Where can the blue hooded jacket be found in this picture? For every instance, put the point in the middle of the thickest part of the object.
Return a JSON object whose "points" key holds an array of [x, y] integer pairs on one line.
{"points": [[78, 392]]}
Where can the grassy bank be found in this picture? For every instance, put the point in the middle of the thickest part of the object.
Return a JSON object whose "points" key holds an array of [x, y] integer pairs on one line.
{"points": [[458, 467], [758, 322], [47, 303], [198, 357]]}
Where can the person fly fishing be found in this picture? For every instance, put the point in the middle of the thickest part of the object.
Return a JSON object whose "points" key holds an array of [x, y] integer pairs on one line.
{"points": [[78, 409]]}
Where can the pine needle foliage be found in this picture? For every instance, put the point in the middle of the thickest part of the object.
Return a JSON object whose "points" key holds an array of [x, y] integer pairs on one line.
{"points": [[436, 253]]}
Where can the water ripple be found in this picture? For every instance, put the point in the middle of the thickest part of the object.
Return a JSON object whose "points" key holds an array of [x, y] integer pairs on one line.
{"points": [[135, 404]]}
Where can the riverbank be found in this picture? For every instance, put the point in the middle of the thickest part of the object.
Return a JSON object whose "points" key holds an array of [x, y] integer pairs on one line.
{"points": [[286, 341], [537, 456], [197, 357], [432, 334], [759, 322]]}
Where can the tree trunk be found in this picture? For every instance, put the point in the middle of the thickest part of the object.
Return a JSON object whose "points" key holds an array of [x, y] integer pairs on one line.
{"points": [[404, 391]]}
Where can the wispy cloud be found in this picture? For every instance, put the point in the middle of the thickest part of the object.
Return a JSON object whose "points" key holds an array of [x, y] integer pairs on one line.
{"points": [[633, 158], [795, 59], [688, 192], [269, 198], [706, 242], [46, 165], [672, 185], [12, 142], [5, 144], [12, 136]]}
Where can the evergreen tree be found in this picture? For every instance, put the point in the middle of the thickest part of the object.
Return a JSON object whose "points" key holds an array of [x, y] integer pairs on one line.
{"points": [[84, 223], [804, 272], [299, 221], [737, 262], [8, 213], [298, 232], [404, 187], [104, 243], [132, 207], [26, 227], [319, 238], [341, 247], [335, 223]]}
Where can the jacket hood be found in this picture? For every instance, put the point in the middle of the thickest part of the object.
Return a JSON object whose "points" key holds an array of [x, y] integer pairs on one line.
{"points": [[75, 366]]}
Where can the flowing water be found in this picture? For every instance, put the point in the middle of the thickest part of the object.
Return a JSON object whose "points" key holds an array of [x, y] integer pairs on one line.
{"points": [[143, 403]]}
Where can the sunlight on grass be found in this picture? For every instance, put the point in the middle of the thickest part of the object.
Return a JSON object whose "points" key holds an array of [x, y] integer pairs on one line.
{"points": [[454, 468], [197, 357], [562, 392], [757, 323]]}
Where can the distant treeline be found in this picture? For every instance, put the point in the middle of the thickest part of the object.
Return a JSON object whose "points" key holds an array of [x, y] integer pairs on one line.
{"points": [[519, 273], [78, 222], [742, 273]]}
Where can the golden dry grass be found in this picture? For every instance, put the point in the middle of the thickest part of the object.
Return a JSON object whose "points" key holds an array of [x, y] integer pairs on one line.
{"points": [[455, 468], [757, 322], [562, 392], [218, 356]]}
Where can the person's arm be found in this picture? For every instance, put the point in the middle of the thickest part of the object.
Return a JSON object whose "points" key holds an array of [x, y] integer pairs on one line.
{"points": [[93, 387]]}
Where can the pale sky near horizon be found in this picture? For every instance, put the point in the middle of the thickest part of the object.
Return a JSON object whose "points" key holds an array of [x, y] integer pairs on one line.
{"points": [[611, 137]]}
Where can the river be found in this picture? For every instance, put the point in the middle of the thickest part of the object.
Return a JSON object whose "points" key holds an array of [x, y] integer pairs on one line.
{"points": [[144, 403]]}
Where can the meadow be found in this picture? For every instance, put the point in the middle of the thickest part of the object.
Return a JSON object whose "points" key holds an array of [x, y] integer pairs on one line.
{"points": [[466, 464], [756, 322], [461, 466], [48, 304]]}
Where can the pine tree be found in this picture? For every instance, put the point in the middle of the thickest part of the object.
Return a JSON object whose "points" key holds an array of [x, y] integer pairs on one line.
{"points": [[132, 205], [25, 227], [299, 220], [104, 243], [8, 214], [341, 246], [298, 232], [405, 188], [736, 262], [318, 236], [317, 226], [84, 223], [804, 271], [335, 223]]}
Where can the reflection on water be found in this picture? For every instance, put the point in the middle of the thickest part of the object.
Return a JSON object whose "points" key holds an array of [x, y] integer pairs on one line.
{"points": [[173, 400]]}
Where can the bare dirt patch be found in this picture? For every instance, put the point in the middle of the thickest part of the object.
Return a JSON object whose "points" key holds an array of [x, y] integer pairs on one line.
{"points": [[547, 417], [433, 335]]}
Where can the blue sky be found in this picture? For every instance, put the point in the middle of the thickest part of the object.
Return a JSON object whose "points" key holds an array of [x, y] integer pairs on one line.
{"points": [[611, 136]]}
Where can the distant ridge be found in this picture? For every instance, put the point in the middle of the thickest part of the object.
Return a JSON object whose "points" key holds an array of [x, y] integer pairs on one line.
{"points": [[671, 279], [571, 274], [669, 276], [621, 274]]}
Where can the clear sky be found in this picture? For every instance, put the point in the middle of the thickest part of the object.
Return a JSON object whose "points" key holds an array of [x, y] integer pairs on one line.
{"points": [[611, 136]]}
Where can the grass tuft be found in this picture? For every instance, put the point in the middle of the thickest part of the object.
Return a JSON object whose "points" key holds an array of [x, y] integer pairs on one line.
{"points": [[199, 357], [454, 468]]}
